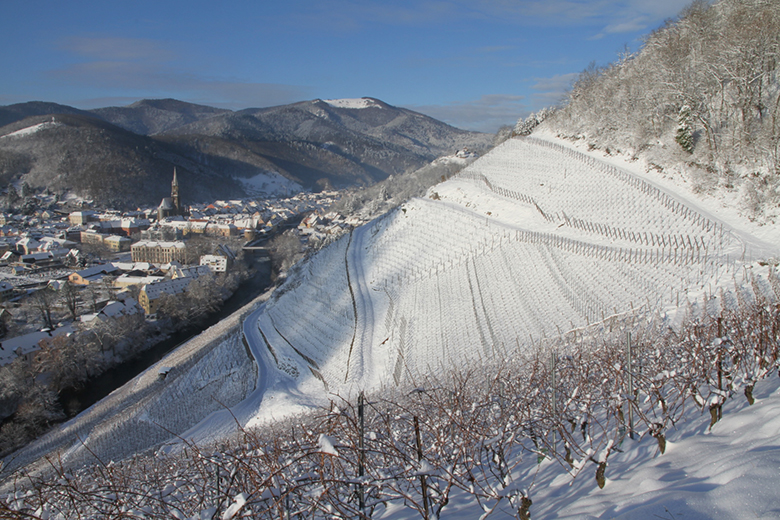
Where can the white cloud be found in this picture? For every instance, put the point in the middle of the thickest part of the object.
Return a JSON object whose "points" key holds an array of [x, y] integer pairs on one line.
{"points": [[618, 15], [637, 24], [101, 102], [486, 114], [557, 83], [560, 12]]}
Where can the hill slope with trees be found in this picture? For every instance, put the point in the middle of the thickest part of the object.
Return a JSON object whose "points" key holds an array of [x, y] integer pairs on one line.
{"points": [[701, 99]]}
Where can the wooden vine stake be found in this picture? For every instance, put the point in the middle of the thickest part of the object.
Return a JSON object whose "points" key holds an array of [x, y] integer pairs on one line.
{"points": [[361, 454], [630, 386], [553, 403], [720, 369], [422, 476]]}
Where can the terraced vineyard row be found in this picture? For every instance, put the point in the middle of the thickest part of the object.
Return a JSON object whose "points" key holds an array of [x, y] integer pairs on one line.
{"points": [[438, 282]]}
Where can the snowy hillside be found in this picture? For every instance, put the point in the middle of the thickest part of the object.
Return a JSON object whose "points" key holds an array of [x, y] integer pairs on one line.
{"points": [[529, 242], [30, 130], [542, 318], [204, 375]]}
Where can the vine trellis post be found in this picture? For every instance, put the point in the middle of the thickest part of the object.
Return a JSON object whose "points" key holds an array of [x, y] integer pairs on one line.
{"points": [[630, 385]]}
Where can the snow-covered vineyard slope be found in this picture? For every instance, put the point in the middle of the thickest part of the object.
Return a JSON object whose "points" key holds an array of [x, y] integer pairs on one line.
{"points": [[204, 375], [530, 241]]}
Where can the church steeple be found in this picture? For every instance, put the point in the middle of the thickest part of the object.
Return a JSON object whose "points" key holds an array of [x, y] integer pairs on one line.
{"points": [[175, 192]]}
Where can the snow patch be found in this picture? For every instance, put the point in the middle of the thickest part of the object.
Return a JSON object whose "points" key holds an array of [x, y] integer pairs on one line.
{"points": [[30, 130], [269, 183], [353, 103], [327, 445]]}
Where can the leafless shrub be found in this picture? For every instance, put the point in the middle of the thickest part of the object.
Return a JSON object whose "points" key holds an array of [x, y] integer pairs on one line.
{"points": [[468, 432]]}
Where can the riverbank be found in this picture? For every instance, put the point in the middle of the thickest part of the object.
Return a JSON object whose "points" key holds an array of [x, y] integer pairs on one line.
{"points": [[208, 373], [76, 400], [134, 409]]}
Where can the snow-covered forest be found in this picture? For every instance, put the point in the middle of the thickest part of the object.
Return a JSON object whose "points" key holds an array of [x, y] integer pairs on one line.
{"points": [[701, 98]]}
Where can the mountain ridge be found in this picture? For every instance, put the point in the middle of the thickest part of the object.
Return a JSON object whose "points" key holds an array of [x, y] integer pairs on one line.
{"points": [[310, 143], [154, 116]]}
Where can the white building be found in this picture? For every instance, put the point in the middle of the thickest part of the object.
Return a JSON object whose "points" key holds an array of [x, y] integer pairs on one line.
{"points": [[150, 293], [217, 263]]}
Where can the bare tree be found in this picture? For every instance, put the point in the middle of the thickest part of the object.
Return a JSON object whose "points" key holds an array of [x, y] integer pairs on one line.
{"points": [[69, 360], [285, 250], [14, 379], [69, 294], [122, 334], [92, 292], [717, 65], [201, 298], [43, 300]]}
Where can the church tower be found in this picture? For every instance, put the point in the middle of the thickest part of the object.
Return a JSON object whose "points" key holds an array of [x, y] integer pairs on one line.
{"points": [[170, 206], [175, 192]]}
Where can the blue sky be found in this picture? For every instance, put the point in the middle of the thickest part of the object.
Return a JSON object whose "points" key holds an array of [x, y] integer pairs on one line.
{"points": [[476, 64]]}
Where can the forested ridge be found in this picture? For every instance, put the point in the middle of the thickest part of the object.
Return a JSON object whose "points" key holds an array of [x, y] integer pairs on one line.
{"points": [[702, 98]]}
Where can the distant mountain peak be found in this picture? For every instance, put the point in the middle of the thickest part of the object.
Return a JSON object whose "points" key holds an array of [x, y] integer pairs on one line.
{"points": [[172, 104]]}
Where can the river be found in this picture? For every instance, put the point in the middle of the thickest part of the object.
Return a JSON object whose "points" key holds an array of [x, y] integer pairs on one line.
{"points": [[75, 401]]}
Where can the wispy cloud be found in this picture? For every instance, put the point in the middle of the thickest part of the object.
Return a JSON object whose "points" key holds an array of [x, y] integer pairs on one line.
{"points": [[348, 16], [486, 114], [100, 102], [557, 83], [122, 49], [136, 68], [639, 23], [550, 91], [496, 49], [613, 13], [7, 100], [613, 16]]}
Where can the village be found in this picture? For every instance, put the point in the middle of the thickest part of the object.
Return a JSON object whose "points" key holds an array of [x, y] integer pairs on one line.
{"points": [[71, 266]]}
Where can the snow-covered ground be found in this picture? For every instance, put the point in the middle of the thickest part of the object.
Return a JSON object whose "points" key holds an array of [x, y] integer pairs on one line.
{"points": [[353, 103], [530, 242], [209, 373], [731, 471], [725, 205], [30, 130], [270, 183]]}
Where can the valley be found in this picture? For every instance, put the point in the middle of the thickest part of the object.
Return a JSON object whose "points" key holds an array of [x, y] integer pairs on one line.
{"points": [[536, 253], [543, 283]]}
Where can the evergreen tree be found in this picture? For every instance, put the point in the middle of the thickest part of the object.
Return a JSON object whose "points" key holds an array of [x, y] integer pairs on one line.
{"points": [[684, 136], [12, 195]]}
